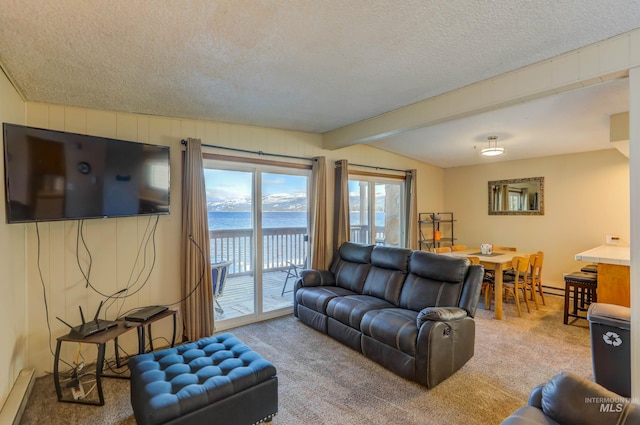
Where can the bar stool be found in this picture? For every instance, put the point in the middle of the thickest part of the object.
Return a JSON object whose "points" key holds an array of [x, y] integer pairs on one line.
{"points": [[581, 287], [591, 268]]}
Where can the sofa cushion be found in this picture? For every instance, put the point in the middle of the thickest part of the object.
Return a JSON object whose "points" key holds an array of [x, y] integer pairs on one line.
{"points": [[351, 266], [350, 309], [391, 258], [355, 253], [316, 298], [419, 293], [434, 280], [395, 327], [438, 267], [387, 274]]}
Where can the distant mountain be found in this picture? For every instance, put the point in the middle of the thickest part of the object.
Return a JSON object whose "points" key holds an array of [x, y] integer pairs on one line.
{"points": [[279, 202], [271, 203]]}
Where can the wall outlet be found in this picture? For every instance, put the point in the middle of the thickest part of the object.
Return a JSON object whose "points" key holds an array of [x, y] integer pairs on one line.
{"points": [[612, 240]]}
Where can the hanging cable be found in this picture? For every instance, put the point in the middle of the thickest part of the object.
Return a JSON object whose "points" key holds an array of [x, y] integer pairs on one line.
{"points": [[148, 238], [201, 274], [44, 295]]}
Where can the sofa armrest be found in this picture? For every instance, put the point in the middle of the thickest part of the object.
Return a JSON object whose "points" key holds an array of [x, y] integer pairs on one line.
{"points": [[572, 400], [535, 398], [312, 277], [440, 314]]}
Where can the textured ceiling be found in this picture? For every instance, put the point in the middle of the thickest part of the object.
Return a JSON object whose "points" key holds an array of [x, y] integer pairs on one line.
{"points": [[299, 64]]}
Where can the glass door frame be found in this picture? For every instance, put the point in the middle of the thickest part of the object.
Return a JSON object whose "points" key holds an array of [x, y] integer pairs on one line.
{"points": [[372, 181], [257, 169]]}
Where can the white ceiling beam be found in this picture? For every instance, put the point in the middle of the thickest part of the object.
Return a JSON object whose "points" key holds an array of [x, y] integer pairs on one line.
{"points": [[583, 67]]}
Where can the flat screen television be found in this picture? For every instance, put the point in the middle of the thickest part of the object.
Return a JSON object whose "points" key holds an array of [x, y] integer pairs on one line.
{"points": [[56, 175]]}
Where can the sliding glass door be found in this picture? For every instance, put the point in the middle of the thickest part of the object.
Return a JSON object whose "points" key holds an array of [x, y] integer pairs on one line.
{"points": [[258, 221], [376, 210], [285, 220]]}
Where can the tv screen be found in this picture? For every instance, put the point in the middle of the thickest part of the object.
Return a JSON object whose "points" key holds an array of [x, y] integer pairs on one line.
{"points": [[56, 175]]}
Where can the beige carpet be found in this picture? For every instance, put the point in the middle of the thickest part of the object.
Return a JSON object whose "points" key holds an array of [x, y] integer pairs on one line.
{"points": [[323, 382]]}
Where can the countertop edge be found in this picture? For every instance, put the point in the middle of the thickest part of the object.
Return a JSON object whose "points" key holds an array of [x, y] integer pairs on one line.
{"points": [[606, 254]]}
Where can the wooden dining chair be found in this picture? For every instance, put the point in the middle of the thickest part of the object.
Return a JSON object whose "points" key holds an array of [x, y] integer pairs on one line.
{"points": [[534, 276], [502, 248], [487, 285], [490, 274], [516, 283], [442, 249], [459, 248]]}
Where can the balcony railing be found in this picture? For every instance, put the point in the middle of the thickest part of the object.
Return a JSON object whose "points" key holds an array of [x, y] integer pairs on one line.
{"points": [[360, 234], [280, 246]]}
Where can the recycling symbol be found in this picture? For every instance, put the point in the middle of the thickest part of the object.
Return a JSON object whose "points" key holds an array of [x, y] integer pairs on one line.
{"points": [[612, 338]]}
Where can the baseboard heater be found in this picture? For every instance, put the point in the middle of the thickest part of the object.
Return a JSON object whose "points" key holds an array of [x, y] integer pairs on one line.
{"points": [[552, 290], [13, 408]]}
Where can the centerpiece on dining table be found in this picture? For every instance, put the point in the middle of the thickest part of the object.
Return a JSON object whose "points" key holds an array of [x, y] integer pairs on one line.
{"points": [[486, 248]]}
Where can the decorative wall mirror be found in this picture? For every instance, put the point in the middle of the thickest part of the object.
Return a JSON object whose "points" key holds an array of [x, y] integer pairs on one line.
{"points": [[517, 196]]}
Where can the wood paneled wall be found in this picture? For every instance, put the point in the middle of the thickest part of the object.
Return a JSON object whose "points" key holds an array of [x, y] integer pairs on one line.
{"points": [[114, 243]]}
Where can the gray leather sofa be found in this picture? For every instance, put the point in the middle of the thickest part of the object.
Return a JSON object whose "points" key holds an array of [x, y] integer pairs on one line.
{"points": [[568, 399], [410, 311]]}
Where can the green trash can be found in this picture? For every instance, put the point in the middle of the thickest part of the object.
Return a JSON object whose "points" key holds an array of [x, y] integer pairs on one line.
{"points": [[609, 325]]}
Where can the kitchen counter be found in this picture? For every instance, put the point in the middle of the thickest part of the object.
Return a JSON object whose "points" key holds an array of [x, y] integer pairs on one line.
{"points": [[613, 272], [607, 254]]}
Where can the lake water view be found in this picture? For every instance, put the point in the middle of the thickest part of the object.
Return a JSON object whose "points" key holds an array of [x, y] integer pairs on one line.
{"points": [[278, 249], [273, 219]]}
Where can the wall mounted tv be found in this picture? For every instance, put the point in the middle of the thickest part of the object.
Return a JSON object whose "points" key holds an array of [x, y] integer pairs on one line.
{"points": [[56, 175]]}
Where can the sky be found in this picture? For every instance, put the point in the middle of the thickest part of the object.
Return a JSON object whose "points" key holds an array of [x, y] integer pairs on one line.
{"points": [[229, 185]]}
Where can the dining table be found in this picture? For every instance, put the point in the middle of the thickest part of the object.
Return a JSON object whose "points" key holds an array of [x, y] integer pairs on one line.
{"points": [[497, 261]]}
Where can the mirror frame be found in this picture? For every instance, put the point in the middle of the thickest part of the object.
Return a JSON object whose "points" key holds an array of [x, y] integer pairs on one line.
{"points": [[539, 211]]}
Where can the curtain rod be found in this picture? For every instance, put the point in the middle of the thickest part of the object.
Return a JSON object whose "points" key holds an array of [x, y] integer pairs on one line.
{"points": [[378, 168], [184, 142]]}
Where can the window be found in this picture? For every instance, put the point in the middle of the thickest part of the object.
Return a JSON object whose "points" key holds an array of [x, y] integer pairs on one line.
{"points": [[514, 201], [376, 210]]}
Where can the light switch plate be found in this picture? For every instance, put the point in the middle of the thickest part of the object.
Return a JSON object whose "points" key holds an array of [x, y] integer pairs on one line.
{"points": [[612, 240]]}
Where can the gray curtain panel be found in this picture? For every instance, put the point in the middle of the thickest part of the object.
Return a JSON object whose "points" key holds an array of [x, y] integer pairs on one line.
{"points": [[318, 213], [411, 209], [197, 293], [341, 223]]}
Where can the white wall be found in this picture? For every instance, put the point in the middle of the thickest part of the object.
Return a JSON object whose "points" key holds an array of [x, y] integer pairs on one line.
{"points": [[586, 198], [13, 315], [114, 242]]}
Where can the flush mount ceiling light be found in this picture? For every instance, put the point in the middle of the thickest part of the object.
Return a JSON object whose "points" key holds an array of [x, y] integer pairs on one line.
{"points": [[493, 149]]}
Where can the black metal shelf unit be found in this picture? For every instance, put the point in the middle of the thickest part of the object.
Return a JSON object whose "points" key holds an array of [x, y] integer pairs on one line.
{"points": [[436, 230]]}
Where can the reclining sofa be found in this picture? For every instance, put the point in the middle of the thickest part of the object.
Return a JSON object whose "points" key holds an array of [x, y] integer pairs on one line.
{"points": [[410, 311]]}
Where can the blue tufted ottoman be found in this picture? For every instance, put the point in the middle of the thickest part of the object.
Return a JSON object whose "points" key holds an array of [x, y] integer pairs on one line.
{"points": [[215, 380]]}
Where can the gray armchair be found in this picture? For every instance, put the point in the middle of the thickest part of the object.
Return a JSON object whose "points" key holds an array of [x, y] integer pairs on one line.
{"points": [[568, 399]]}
